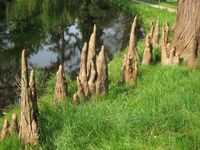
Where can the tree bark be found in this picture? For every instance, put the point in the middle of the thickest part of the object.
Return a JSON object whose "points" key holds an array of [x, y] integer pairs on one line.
{"points": [[91, 52], [29, 131], [102, 71], [60, 93], [5, 130], [91, 62], [14, 124], [83, 70], [147, 56], [33, 90], [132, 48], [186, 38], [155, 39], [164, 43], [152, 30], [80, 91], [129, 70]]}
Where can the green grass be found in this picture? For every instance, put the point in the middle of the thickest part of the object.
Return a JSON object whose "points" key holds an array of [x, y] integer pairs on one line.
{"points": [[168, 3], [160, 112], [145, 14]]}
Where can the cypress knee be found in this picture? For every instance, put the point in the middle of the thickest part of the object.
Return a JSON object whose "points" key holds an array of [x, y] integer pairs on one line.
{"points": [[173, 58], [14, 124], [91, 62], [29, 130], [80, 92], [33, 89], [156, 35], [5, 130], [152, 28], [60, 87], [132, 48], [92, 79], [91, 52], [102, 72], [147, 56], [164, 42], [130, 70], [83, 70], [75, 98]]}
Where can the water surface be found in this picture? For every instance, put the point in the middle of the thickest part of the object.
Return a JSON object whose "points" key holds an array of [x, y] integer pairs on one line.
{"points": [[53, 32]]}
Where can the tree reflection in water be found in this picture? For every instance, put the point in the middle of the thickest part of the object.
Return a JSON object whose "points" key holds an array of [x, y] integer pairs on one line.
{"points": [[53, 32]]}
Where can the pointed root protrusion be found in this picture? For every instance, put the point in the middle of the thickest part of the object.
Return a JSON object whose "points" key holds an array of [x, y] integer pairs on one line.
{"points": [[130, 70], [83, 70], [5, 130], [102, 71], [132, 48], [60, 87], [147, 56], [155, 40], [29, 131], [14, 124]]}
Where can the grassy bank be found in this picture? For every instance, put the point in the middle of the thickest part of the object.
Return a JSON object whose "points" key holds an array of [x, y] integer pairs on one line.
{"points": [[160, 112], [168, 3], [145, 14]]}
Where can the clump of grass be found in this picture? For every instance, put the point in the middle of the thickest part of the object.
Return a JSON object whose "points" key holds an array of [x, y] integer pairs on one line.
{"points": [[160, 112], [40, 80], [11, 143]]}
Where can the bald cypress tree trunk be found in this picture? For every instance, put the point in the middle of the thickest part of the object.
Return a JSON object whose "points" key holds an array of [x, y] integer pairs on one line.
{"points": [[187, 31]]}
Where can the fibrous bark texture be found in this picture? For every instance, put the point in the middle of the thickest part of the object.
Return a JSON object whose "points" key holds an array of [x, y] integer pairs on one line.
{"points": [[91, 62], [186, 38], [164, 43], [29, 131], [75, 98], [91, 52], [60, 87], [80, 92], [129, 70], [132, 48], [152, 28], [155, 40], [167, 32], [169, 56], [92, 79], [24, 72], [173, 57], [82, 80], [147, 56], [5, 130], [33, 89], [83, 70], [102, 72], [14, 124]]}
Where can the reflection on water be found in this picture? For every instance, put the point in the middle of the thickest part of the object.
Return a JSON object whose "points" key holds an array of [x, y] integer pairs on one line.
{"points": [[53, 32]]}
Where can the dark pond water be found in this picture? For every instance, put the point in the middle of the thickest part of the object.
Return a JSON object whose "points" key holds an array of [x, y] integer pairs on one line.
{"points": [[53, 32]]}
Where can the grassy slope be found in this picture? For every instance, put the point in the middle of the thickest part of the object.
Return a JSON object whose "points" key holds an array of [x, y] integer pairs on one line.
{"points": [[168, 3], [160, 112]]}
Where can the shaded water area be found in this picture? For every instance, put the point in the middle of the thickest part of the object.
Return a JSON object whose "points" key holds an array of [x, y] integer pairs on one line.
{"points": [[53, 32]]}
